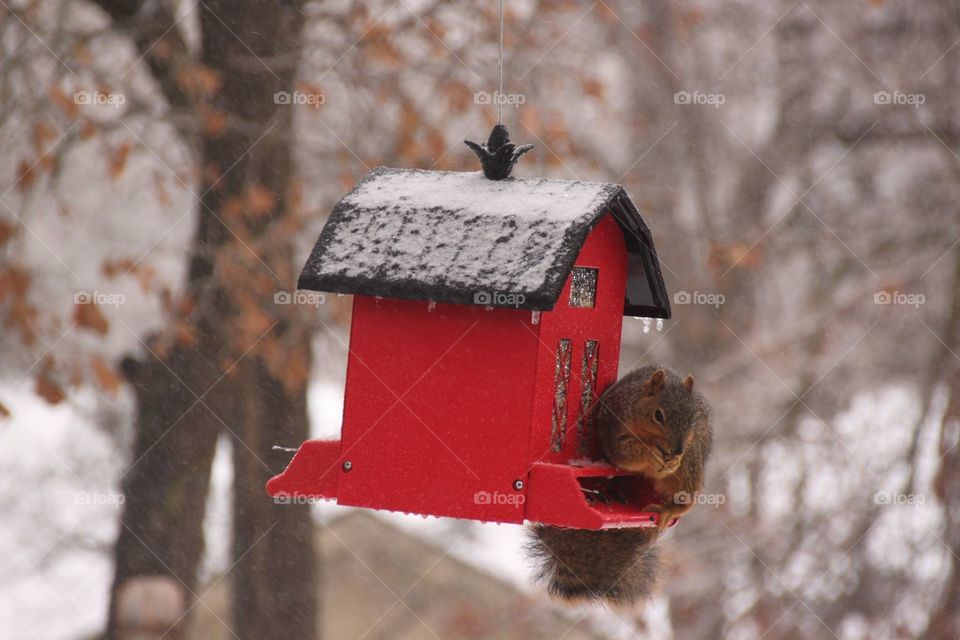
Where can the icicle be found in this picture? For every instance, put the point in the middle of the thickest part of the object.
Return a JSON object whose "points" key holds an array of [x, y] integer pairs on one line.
{"points": [[659, 324], [431, 305], [535, 317], [646, 324]]}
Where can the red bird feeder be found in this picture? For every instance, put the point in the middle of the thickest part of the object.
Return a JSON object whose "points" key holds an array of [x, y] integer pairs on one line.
{"points": [[486, 321]]}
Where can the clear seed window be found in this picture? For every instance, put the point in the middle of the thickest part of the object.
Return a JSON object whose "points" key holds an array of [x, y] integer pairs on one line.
{"points": [[583, 288]]}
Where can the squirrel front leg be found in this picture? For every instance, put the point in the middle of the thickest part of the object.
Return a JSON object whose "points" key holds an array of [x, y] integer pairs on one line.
{"points": [[678, 491]]}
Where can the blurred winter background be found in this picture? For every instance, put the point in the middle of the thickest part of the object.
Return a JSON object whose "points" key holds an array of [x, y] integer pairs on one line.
{"points": [[796, 160]]}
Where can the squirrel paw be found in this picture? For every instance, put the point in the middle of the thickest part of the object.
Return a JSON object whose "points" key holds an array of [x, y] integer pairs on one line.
{"points": [[666, 514]]}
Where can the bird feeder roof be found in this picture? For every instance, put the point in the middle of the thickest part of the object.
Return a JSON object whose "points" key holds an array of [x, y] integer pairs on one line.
{"points": [[448, 236]]}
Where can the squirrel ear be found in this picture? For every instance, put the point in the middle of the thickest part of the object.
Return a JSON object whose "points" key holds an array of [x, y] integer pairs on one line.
{"points": [[657, 380], [688, 383]]}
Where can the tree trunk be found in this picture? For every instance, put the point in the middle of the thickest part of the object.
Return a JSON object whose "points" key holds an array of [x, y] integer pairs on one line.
{"points": [[232, 360]]}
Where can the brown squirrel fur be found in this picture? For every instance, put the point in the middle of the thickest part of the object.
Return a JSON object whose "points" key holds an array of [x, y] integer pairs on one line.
{"points": [[652, 422]]}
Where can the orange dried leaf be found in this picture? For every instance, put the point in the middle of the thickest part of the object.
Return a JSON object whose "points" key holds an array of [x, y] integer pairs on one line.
{"points": [[163, 196], [43, 132], [6, 232], [22, 316], [296, 372], [64, 102], [260, 200], [232, 207], [114, 268], [185, 334], [108, 379], [380, 47], [88, 316], [48, 161], [459, 96], [198, 80], [212, 176], [4, 412], [14, 281], [436, 144], [82, 53], [145, 274], [592, 87], [47, 388], [26, 175], [88, 129], [214, 121], [118, 160]]}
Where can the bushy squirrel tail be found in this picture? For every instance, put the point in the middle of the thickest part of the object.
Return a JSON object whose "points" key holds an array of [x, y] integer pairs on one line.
{"points": [[616, 566]]}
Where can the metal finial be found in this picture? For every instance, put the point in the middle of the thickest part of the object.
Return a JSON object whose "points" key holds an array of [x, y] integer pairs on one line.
{"points": [[498, 155]]}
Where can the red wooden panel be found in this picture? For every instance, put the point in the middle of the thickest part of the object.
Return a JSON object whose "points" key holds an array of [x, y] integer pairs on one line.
{"points": [[437, 408], [605, 250]]}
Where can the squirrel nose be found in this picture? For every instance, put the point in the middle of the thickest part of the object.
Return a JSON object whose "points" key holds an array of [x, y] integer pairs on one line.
{"points": [[677, 450]]}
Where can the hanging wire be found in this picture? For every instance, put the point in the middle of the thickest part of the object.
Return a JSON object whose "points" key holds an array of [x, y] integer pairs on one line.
{"points": [[500, 95]]}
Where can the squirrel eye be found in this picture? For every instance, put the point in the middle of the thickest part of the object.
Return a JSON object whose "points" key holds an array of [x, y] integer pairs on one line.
{"points": [[659, 417]]}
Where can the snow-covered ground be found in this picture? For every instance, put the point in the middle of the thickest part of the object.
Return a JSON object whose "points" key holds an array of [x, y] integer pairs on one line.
{"points": [[61, 506]]}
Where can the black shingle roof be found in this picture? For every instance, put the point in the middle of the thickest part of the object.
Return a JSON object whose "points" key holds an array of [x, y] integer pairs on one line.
{"points": [[446, 236]]}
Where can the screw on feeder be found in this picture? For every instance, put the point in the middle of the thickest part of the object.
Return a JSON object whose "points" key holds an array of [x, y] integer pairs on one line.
{"points": [[518, 485], [347, 465]]}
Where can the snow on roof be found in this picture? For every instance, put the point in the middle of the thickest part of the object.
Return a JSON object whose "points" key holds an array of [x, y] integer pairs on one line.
{"points": [[446, 236]]}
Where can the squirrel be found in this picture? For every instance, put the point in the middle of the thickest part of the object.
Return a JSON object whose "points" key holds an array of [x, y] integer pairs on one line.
{"points": [[651, 422]]}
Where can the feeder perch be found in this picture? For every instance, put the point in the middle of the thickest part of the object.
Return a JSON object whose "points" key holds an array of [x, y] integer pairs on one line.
{"points": [[486, 321]]}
